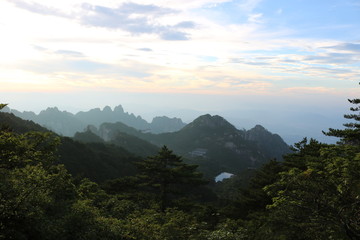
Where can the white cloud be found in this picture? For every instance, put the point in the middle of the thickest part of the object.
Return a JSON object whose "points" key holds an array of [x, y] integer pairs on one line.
{"points": [[255, 18], [122, 44], [248, 5]]}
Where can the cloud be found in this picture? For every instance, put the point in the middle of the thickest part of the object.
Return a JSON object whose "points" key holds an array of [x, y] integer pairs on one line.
{"points": [[185, 24], [39, 48], [305, 90], [249, 5], [352, 47], [289, 61], [81, 68], [38, 8], [249, 62], [58, 66], [136, 19], [334, 58], [130, 17], [62, 52], [145, 49], [255, 18], [174, 35], [131, 8], [69, 53], [330, 71]]}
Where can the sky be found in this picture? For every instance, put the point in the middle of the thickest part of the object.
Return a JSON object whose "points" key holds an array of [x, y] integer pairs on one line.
{"points": [[171, 56]]}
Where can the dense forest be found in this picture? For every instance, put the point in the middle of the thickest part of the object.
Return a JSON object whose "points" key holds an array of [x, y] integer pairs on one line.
{"points": [[312, 193]]}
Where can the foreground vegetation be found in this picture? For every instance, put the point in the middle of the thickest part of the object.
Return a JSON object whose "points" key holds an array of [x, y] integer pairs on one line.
{"points": [[313, 194]]}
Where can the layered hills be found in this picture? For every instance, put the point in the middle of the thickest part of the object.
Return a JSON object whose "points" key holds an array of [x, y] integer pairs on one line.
{"points": [[67, 124], [95, 160], [209, 141], [106, 142]]}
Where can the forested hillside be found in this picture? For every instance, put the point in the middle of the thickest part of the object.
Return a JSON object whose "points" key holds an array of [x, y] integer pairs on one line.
{"points": [[210, 142], [313, 193], [92, 159]]}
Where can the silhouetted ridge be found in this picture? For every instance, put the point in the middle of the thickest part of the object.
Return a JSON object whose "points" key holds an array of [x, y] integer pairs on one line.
{"points": [[212, 122], [166, 124], [9, 120], [273, 144], [67, 124], [90, 158]]}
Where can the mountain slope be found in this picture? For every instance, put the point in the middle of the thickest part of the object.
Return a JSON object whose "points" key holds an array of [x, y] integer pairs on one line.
{"points": [[9, 120], [213, 143], [67, 124], [97, 161]]}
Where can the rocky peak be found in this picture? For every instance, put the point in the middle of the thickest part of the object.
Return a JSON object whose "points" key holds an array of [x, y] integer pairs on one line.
{"points": [[257, 133], [107, 109], [211, 122], [119, 109], [51, 110], [259, 128], [271, 143], [166, 124]]}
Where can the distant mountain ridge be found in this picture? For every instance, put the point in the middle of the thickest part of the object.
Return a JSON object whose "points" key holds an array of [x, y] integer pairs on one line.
{"points": [[211, 142], [67, 124], [93, 159]]}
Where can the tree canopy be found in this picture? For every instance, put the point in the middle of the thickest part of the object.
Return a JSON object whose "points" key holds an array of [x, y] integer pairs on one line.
{"points": [[167, 174], [314, 193]]}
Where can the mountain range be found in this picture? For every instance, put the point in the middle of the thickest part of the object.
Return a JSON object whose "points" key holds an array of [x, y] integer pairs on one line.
{"points": [[67, 124], [209, 141], [106, 142]]}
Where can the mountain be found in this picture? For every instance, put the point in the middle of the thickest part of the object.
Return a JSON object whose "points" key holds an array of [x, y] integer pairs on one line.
{"points": [[95, 160], [108, 151], [271, 143], [97, 116], [166, 124], [67, 124], [61, 122], [10, 121], [212, 143]]}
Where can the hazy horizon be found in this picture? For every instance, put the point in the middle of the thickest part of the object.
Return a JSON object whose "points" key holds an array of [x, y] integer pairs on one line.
{"points": [[293, 61], [292, 120]]}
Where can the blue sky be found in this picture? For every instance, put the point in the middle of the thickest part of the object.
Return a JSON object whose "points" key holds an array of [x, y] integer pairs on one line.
{"points": [[204, 55]]}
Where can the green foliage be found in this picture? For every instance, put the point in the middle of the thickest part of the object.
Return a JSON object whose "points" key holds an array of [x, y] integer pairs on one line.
{"points": [[96, 161], [228, 149], [152, 225], [84, 221], [32, 189], [351, 134], [227, 230], [167, 174], [318, 199], [2, 106], [39, 200], [87, 137], [10, 122], [29, 148], [134, 144], [313, 194]]}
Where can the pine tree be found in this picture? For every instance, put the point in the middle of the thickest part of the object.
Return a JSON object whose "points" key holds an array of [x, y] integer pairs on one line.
{"points": [[167, 174], [351, 134]]}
